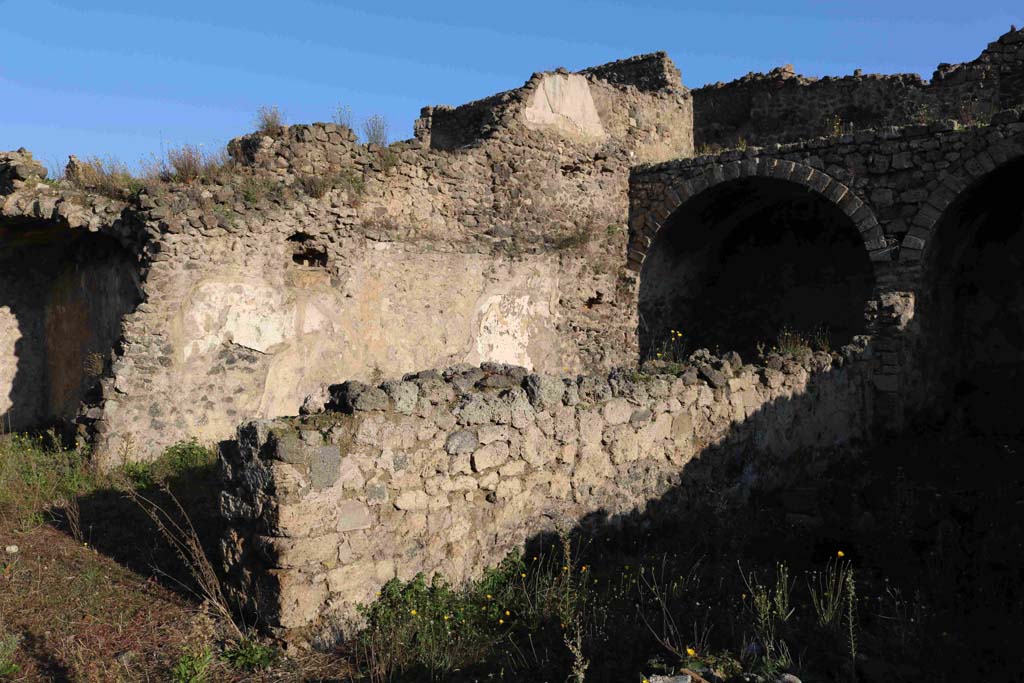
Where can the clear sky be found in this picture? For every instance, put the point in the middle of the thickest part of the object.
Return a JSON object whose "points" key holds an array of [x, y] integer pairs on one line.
{"points": [[128, 79]]}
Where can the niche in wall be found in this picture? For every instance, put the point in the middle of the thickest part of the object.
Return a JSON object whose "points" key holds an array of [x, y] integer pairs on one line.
{"points": [[305, 252]]}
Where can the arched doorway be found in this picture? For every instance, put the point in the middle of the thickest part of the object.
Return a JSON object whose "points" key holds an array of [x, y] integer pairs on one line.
{"points": [[63, 294], [747, 260], [974, 323]]}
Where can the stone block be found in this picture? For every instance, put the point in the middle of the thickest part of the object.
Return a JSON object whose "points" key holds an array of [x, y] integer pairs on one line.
{"points": [[617, 411], [412, 501], [490, 456], [544, 393]]}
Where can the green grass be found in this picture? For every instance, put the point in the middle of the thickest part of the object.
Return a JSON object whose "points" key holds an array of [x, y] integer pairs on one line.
{"points": [[8, 646], [193, 666], [36, 472]]}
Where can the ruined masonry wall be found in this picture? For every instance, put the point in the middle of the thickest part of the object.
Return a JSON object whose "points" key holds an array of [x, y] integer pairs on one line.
{"points": [[317, 257], [781, 106], [447, 472]]}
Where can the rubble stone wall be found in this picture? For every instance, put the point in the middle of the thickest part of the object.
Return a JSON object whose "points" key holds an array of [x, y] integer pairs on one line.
{"points": [[315, 257], [781, 106], [894, 185], [447, 472]]}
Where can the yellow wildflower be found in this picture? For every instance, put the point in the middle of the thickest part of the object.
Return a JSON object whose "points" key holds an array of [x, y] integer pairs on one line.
{"points": [[691, 652], [840, 554], [412, 612]]}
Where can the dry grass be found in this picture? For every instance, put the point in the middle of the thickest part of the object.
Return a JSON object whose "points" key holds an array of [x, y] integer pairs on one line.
{"points": [[176, 527], [269, 120], [105, 175], [375, 130], [93, 593], [191, 163]]}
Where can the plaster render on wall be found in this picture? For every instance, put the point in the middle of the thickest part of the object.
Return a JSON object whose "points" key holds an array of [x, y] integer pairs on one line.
{"points": [[564, 102]]}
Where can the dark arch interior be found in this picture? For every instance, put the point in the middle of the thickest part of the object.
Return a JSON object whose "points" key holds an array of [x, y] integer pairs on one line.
{"points": [[63, 294], [975, 315], [742, 262]]}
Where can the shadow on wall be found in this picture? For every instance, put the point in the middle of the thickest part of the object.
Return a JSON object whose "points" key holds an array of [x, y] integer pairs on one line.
{"points": [[975, 305], [63, 295], [910, 511], [741, 262]]}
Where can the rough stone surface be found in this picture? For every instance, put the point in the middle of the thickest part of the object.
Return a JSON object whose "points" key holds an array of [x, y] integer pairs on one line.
{"points": [[451, 499], [316, 258]]}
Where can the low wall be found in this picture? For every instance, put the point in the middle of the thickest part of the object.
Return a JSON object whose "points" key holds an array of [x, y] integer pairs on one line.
{"points": [[447, 472]]}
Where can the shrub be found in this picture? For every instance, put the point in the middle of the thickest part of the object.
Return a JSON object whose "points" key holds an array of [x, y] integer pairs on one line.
{"points": [[257, 187], [352, 182], [388, 158], [375, 130], [315, 186], [248, 655], [269, 120], [185, 458]]}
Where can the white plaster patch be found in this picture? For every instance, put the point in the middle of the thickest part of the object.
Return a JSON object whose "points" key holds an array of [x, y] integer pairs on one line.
{"points": [[504, 334], [250, 314], [563, 102]]}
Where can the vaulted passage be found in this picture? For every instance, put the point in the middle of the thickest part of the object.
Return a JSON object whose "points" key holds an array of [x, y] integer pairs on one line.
{"points": [[977, 303], [63, 294], [747, 260]]}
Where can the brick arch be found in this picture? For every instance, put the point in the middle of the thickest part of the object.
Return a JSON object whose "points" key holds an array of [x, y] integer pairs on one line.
{"points": [[972, 168], [645, 226]]}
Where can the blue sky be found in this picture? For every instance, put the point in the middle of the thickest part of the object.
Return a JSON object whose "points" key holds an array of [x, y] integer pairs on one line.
{"points": [[128, 79]]}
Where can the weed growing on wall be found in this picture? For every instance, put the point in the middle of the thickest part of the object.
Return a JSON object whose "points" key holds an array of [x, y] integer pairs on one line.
{"points": [[343, 116], [190, 164], [793, 342], [375, 130], [671, 351], [104, 175], [269, 120]]}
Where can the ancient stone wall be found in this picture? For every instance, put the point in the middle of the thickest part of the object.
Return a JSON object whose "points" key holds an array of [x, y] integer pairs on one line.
{"points": [[781, 106], [448, 471], [894, 185], [314, 257]]}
